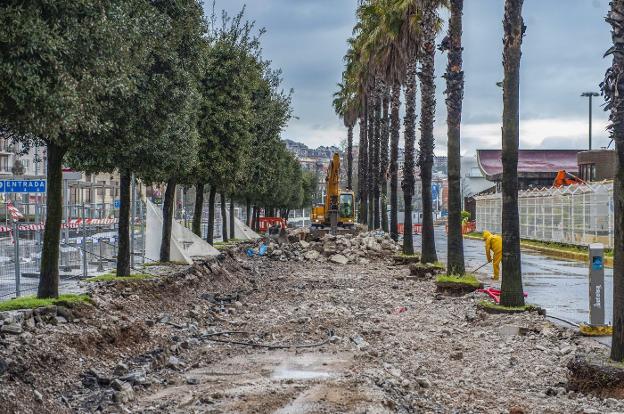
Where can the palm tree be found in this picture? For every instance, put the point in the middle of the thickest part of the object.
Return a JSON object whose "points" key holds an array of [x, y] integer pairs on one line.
{"points": [[383, 159], [371, 95], [512, 294], [345, 104], [454, 95], [395, 105], [376, 171], [409, 41], [430, 23], [611, 89]]}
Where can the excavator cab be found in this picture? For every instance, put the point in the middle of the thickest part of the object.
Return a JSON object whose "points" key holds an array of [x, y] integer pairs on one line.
{"points": [[346, 209]]}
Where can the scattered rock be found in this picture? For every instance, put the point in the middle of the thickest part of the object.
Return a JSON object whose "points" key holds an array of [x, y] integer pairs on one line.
{"points": [[125, 394], [339, 259], [173, 362], [12, 329], [38, 396], [423, 382]]}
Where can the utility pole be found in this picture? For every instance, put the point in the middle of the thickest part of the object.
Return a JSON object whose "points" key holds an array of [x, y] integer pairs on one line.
{"points": [[590, 95]]}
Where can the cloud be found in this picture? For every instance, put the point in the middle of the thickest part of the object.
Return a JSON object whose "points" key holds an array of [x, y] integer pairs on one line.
{"points": [[562, 57]]}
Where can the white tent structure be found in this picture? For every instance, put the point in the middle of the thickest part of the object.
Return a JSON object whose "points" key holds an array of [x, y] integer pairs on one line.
{"points": [[185, 245], [241, 230]]}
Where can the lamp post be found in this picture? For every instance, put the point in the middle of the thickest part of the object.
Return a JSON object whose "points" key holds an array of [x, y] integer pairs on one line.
{"points": [[590, 95]]}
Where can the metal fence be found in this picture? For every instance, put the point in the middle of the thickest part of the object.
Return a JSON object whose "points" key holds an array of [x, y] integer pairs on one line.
{"points": [[577, 214], [88, 247]]}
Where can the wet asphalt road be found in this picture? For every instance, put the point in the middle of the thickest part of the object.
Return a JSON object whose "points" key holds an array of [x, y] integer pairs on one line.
{"points": [[560, 286]]}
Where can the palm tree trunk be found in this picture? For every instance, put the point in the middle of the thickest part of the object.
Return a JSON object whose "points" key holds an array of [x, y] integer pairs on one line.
{"points": [[123, 235], [455, 92], [611, 89], [511, 287], [350, 157], [211, 214], [198, 209], [371, 158], [49, 271], [224, 225], [409, 123], [427, 118], [383, 158], [377, 171], [394, 157], [363, 168], [168, 207]]}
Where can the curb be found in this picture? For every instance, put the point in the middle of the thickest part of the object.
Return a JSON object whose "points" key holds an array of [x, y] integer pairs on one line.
{"points": [[554, 252]]}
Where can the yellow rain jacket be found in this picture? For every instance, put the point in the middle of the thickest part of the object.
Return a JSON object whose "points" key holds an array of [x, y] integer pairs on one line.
{"points": [[493, 244]]}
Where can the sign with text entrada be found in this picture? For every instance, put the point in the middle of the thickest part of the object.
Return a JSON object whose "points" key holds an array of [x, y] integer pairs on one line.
{"points": [[22, 186]]}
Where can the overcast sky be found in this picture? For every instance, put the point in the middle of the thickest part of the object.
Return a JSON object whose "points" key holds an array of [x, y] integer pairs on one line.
{"points": [[562, 57]]}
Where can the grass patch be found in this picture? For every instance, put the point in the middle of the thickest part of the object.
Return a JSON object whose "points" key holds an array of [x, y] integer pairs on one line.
{"points": [[407, 255], [487, 304], [32, 302], [562, 246], [172, 263], [467, 279], [111, 277]]}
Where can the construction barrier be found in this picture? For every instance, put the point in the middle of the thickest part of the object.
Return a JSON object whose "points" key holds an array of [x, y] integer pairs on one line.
{"points": [[416, 228]]}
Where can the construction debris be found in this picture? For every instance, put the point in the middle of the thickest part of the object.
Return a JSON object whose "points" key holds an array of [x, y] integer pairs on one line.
{"points": [[340, 249]]}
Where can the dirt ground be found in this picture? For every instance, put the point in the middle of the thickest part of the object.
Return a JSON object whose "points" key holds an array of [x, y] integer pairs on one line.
{"points": [[326, 338]]}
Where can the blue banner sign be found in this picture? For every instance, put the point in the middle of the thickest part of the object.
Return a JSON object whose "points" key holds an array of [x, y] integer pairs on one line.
{"points": [[117, 203], [22, 186]]}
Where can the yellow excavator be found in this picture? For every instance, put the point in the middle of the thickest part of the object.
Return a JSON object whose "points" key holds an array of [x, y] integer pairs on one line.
{"points": [[339, 206]]}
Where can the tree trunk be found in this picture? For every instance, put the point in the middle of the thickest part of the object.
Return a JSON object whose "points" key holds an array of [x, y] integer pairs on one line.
{"points": [[511, 287], [350, 157], [377, 171], [211, 214], [224, 226], [199, 208], [371, 158], [383, 159], [612, 88], [168, 209], [254, 219], [49, 271], [363, 168], [123, 245], [232, 236], [248, 213], [394, 157], [455, 92], [427, 118], [257, 219], [409, 124]]}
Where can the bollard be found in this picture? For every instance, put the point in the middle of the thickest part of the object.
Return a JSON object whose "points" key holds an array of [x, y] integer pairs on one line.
{"points": [[596, 284], [18, 272]]}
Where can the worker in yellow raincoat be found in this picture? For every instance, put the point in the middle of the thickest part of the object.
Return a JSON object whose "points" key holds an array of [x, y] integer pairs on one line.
{"points": [[493, 244]]}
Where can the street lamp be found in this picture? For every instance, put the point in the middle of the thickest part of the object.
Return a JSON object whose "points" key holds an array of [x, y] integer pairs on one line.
{"points": [[590, 95]]}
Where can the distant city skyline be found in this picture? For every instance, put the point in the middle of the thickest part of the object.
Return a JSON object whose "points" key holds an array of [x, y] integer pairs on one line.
{"points": [[562, 57]]}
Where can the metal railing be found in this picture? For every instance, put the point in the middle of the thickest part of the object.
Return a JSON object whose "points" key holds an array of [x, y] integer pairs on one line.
{"points": [[88, 247]]}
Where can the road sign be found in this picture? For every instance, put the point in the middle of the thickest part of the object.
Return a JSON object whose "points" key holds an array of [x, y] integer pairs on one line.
{"points": [[435, 191], [22, 186], [117, 203]]}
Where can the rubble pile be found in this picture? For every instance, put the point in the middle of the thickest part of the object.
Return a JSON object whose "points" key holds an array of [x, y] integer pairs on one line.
{"points": [[340, 249]]}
